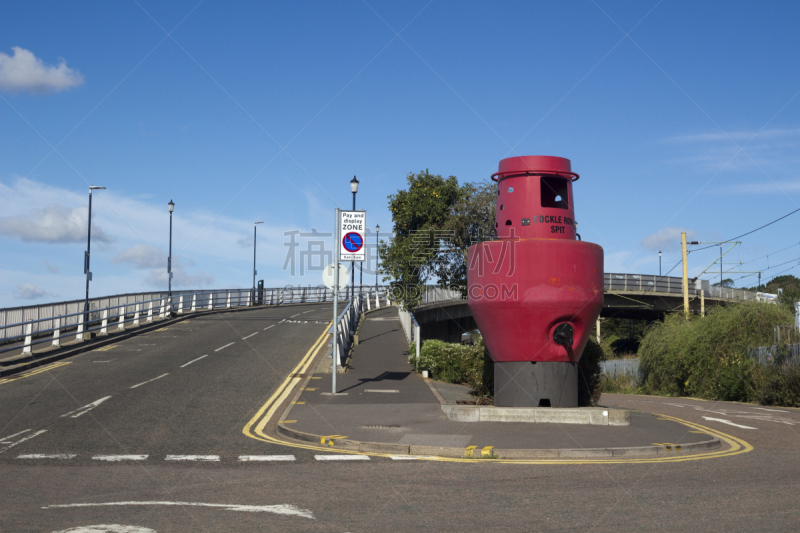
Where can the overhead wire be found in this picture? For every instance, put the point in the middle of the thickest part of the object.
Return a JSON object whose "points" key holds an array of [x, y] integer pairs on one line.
{"points": [[749, 232]]}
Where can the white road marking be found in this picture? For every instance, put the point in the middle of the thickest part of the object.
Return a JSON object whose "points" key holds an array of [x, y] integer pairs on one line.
{"points": [[266, 458], [245, 338], [192, 361], [266, 328], [149, 380], [284, 509], [192, 458], [29, 437], [298, 314], [107, 528], [341, 457], [726, 422], [104, 361], [119, 457], [223, 347], [46, 456], [381, 390], [283, 320], [304, 312], [14, 435], [85, 409], [771, 410], [409, 457]]}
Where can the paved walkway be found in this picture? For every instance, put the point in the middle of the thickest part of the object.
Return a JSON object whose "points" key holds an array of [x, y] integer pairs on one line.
{"points": [[384, 401]]}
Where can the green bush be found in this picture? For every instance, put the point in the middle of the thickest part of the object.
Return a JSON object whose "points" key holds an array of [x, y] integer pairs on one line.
{"points": [[472, 365], [590, 385], [707, 357], [780, 386], [457, 363], [622, 383]]}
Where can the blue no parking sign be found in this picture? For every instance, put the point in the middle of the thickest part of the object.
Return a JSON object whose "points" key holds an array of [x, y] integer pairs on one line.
{"points": [[352, 228]]}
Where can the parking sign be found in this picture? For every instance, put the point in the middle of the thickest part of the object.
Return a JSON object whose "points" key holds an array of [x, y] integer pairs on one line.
{"points": [[352, 232]]}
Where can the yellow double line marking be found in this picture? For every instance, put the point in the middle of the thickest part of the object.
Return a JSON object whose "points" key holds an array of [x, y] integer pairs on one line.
{"points": [[33, 372], [255, 429]]}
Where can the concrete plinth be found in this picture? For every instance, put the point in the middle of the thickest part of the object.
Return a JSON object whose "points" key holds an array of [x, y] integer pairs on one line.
{"points": [[535, 384]]}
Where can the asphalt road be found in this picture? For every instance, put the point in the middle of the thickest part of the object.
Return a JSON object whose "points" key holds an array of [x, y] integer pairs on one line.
{"points": [[175, 402]]}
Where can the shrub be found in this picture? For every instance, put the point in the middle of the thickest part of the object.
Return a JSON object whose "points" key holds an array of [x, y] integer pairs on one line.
{"points": [[590, 385], [457, 363], [708, 356], [780, 386]]}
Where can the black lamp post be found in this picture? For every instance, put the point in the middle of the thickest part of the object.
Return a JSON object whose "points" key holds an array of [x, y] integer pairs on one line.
{"points": [[171, 206], [377, 260], [354, 190], [86, 261], [255, 225]]}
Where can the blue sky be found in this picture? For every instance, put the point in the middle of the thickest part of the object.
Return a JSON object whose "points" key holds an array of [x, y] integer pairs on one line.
{"points": [[677, 115]]}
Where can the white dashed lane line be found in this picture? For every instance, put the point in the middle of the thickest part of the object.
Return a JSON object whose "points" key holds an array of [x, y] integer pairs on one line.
{"points": [[266, 328], [192, 458], [47, 456], [193, 360], [150, 380], [223, 347], [4, 439], [341, 457], [86, 408], [245, 338], [298, 314], [116, 458], [10, 445], [256, 458]]}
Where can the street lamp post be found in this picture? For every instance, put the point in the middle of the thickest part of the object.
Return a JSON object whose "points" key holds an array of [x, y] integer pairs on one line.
{"points": [[659, 263], [354, 190], [86, 261], [171, 206], [255, 225], [378, 258]]}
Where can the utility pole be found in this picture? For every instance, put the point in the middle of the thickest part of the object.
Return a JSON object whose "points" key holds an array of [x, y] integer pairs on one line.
{"points": [[685, 276]]}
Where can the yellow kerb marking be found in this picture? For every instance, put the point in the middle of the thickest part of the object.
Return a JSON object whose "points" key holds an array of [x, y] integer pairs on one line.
{"points": [[310, 389], [486, 451], [469, 450], [255, 429], [288, 421], [315, 377], [298, 403], [331, 437]]}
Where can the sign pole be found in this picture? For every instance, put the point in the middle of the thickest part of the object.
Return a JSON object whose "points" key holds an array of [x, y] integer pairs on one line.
{"points": [[334, 338]]}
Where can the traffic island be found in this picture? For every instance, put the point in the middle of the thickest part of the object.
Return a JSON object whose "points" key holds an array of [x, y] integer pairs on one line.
{"points": [[594, 416]]}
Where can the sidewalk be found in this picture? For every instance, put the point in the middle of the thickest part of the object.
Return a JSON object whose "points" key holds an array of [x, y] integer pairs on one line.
{"points": [[384, 406]]}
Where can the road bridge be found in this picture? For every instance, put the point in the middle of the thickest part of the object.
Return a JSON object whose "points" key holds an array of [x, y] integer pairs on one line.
{"points": [[444, 314]]}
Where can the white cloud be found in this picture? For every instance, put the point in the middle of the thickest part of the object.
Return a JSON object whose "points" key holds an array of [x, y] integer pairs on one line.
{"points": [[24, 72], [765, 187], [141, 256], [144, 257], [734, 135], [51, 267], [29, 291], [53, 224], [667, 239]]}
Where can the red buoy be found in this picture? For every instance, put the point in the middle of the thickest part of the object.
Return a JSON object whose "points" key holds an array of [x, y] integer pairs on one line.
{"points": [[536, 290]]}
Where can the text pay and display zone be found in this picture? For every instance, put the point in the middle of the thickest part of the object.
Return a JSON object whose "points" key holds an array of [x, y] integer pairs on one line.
{"points": [[352, 235]]}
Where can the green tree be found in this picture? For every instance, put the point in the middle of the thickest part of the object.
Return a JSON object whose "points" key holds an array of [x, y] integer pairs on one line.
{"points": [[414, 255], [471, 221]]}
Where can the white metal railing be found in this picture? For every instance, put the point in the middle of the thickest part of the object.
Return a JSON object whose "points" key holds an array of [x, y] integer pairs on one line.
{"points": [[25, 327], [411, 329]]}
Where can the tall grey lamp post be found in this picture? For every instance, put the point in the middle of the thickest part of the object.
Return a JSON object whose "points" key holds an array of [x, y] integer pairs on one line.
{"points": [[378, 258], [659, 263], [171, 206], [255, 225], [354, 190], [86, 260]]}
